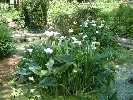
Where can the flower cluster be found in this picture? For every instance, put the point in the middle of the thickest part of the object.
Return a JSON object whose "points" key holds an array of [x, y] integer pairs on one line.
{"points": [[48, 50]]}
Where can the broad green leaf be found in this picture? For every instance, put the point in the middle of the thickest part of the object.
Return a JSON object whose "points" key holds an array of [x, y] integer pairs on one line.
{"points": [[48, 81], [22, 71], [21, 78], [49, 65], [44, 73], [64, 58], [35, 68], [64, 67]]}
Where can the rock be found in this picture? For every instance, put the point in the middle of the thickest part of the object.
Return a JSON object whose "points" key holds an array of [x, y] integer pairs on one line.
{"points": [[13, 25]]}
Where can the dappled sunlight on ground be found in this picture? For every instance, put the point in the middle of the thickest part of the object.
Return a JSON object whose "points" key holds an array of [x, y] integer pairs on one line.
{"points": [[8, 65]]}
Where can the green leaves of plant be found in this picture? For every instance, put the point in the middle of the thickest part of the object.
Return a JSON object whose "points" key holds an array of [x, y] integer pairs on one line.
{"points": [[64, 58], [22, 71], [49, 65], [63, 68], [48, 81], [35, 68]]}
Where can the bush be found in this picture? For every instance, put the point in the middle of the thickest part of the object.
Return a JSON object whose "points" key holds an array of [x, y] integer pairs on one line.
{"points": [[6, 41], [34, 13], [123, 22], [69, 65], [98, 30], [65, 20]]}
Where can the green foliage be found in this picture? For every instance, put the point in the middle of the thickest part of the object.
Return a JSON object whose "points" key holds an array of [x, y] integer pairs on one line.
{"points": [[66, 20], [98, 30], [71, 65], [34, 13], [106, 1], [10, 13], [123, 22], [6, 41]]}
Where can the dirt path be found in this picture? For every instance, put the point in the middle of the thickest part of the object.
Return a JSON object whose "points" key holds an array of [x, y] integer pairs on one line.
{"points": [[8, 65]]}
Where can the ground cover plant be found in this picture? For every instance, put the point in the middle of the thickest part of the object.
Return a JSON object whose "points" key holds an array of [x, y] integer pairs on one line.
{"points": [[70, 65]]}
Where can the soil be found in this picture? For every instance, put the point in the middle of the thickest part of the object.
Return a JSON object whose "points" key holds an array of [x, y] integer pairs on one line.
{"points": [[7, 66]]}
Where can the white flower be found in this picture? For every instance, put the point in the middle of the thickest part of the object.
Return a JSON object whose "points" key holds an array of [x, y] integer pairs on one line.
{"points": [[80, 25], [48, 50], [77, 42], [86, 24], [100, 26], [94, 25], [74, 38], [30, 50], [103, 21], [70, 30], [62, 37], [98, 19], [97, 32], [93, 21], [93, 47], [48, 33], [74, 22], [80, 33], [93, 43], [31, 78], [84, 36], [24, 58]]}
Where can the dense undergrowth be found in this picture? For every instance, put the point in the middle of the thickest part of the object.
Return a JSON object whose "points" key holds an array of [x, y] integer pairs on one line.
{"points": [[76, 62], [6, 41], [70, 65]]}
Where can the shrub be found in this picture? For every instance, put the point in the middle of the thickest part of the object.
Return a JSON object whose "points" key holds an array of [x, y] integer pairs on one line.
{"points": [[123, 22], [64, 21], [69, 65], [34, 13], [6, 41], [98, 30]]}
